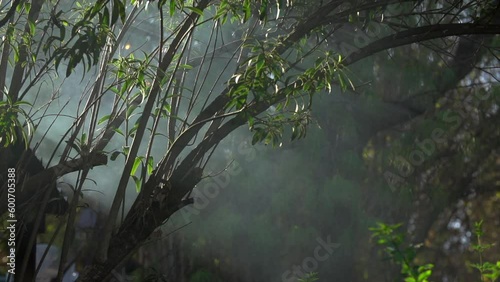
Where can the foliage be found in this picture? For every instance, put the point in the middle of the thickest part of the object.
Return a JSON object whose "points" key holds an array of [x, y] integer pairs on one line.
{"points": [[389, 237], [488, 271], [167, 103], [310, 277], [10, 125]]}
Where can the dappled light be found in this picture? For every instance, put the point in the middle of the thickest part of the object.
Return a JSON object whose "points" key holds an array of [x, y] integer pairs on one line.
{"points": [[242, 141]]}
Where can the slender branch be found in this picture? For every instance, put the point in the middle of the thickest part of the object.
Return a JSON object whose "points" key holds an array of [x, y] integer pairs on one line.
{"points": [[10, 13], [183, 33], [399, 39], [18, 74], [419, 34]]}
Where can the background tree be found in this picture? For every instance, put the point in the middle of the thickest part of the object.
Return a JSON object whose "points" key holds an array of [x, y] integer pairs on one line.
{"points": [[167, 103]]}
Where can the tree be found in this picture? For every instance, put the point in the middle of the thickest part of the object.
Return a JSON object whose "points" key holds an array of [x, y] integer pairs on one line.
{"points": [[172, 106]]}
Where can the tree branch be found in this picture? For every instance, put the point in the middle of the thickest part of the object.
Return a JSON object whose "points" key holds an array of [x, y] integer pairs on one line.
{"points": [[419, 34], [10, 13], [44, 178]]}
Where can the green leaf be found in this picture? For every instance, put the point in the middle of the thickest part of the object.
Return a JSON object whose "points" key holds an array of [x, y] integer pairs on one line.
{"points": [[167, 108], [16, 54], [27, 7], [259, 66], [478, 228], [115, 13], [422, 277], [62, 32], [121, 9], [186, 66], [247, 9], [342, 82], [131, 132], [172, 7], [150, 165], [195, 10], [137, 162], [126, 149], [103, 119], [119, 131], [105, 17], [138, 183], [263, 10], [258, 136], [83, 139], [32, 27], [130, 110]]}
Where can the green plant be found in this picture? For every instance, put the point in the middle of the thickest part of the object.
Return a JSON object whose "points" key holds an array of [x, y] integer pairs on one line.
{"points": [[10, 125], [310, 277], [489, 272], [392, 241]]}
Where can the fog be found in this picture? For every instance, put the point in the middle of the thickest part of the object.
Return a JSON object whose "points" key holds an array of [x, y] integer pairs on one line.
{"points": [[261, 212]]}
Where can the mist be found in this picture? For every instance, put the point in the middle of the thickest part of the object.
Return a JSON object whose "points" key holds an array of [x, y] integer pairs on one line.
{"points": [[379, 164]]}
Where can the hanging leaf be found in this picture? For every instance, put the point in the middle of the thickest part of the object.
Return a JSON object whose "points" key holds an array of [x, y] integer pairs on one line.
{"points": [[172, 7], [195, 10], [138, 183], [150, 165], [32, 27], [115, 155], [103, 119], [137, 162], [263, 10]]}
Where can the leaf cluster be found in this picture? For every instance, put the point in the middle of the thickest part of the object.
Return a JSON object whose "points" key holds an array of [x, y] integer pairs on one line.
{"points": [[11, 128], [489, 271], [392, 240]]}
